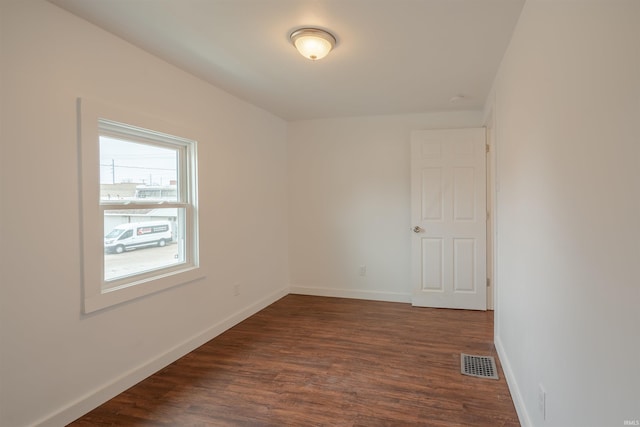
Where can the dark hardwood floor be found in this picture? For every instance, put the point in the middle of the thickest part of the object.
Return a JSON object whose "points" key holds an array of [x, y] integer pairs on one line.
{"points": [[314, 361]]}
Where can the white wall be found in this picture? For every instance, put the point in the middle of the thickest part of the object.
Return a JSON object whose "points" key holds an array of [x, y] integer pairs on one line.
{"points": [[55, 362], [349, 192], [567, 103]]}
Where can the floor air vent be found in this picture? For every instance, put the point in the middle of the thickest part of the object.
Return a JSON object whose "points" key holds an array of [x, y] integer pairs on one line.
{"points": [[478, 366]]}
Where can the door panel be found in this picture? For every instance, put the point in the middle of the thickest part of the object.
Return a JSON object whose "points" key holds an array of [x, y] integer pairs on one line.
{"points": [[449, 208], [432, 192], [431, 256]]}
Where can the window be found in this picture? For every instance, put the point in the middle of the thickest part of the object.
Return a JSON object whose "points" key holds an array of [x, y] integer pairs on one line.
{"points": [[139, 210]]}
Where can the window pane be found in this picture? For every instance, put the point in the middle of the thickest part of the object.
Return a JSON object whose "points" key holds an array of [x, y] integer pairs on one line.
{"points": [[142, 240], [135, 171]]}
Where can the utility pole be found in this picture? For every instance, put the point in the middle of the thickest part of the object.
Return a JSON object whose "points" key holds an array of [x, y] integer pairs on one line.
{"points": [[113, 171]]}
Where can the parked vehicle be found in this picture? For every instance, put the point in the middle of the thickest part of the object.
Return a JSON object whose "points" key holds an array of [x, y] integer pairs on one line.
{"points": [[136, 235]]}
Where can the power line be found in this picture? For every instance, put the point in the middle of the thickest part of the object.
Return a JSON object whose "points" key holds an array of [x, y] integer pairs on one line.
{"points": [[135, 167]]}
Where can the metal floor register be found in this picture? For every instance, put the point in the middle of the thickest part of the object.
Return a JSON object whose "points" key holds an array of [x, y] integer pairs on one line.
{"points": [[478, 366]]}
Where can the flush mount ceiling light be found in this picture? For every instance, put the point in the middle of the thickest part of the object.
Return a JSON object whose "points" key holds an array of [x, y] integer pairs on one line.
{"points": [[313, 43]]}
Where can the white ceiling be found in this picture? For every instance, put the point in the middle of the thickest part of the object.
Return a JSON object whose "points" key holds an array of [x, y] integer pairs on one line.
{"points": [[392, 56]]}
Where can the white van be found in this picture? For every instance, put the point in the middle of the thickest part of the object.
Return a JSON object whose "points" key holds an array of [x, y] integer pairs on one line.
{"points": [[136, 235]]}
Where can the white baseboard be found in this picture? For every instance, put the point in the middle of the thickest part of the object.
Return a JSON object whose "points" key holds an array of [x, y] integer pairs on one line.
{"points": [[518, 401], [351, 293], [128, 379]]}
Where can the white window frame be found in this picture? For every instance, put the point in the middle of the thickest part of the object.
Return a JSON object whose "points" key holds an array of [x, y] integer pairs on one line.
{"points": [[96, 119]]}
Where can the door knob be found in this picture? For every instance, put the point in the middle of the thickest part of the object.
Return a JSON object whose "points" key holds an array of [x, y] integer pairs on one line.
{"points": [[417, 229]]}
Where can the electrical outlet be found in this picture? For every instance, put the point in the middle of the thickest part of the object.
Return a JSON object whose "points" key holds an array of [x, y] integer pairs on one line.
{"points": [[542, 401], [363, 270], [236, 290]]}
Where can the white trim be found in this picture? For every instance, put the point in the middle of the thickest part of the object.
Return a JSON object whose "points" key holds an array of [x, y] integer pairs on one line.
{"points": [[158, 282], [107, 391], [516, 396], [492, 207], [353, 294], [92, 118]]}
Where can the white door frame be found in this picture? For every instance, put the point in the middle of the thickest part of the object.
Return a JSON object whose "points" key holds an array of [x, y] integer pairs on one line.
{"points": [[492, 190]]}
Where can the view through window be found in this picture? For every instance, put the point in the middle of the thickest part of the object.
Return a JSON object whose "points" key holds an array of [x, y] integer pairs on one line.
{"points": [[144, 202]]}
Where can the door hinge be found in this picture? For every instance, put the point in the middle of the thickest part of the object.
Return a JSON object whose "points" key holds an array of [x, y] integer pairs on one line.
{"points": [[488, 282], [487, 147]]}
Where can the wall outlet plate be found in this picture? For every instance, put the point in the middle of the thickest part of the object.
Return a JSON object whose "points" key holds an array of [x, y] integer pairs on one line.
{"points": [[542, 401], [363, 270]]}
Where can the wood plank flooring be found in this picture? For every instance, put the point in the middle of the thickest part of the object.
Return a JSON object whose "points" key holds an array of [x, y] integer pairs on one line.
{"points": [[314, 361]]}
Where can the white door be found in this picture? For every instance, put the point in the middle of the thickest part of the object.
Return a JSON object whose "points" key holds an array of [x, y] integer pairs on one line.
{"points": [[448, 212]]}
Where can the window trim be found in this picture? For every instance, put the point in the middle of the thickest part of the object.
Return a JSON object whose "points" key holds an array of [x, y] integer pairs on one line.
{"points": [[95, 297]]}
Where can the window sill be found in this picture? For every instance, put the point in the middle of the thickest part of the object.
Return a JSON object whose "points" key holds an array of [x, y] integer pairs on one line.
{"points": [[138, 289]]}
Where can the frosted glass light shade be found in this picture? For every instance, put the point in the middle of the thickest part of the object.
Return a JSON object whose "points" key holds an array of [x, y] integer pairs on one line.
{"points": [[312, 43]]}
